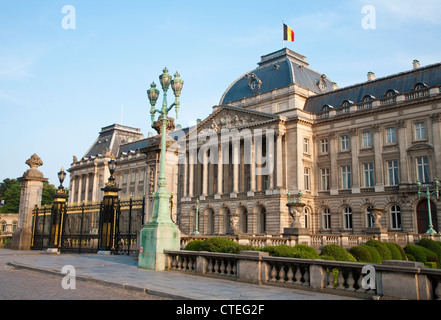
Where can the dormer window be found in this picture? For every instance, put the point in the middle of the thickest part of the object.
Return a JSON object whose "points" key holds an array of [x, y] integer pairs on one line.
{"points": [[391, 93], [367, 98], [420, 86], [327, 107], [347, 103]]}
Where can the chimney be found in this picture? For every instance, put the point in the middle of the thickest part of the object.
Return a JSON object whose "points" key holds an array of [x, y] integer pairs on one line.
{"points": [[416, 64], [371, 76]]}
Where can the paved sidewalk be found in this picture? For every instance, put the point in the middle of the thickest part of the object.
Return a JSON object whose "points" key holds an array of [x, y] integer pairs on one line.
{"points": [[122, 271]]}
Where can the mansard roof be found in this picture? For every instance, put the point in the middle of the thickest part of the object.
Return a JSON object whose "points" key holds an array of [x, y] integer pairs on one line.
{"points": [[276, 70], [429, 76]]}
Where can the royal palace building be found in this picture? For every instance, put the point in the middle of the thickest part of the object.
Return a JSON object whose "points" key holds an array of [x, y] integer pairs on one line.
{"points": [[284, 131]]}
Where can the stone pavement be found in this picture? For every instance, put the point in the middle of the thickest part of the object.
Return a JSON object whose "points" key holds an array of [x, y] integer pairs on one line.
{"points": [[122, 272]]}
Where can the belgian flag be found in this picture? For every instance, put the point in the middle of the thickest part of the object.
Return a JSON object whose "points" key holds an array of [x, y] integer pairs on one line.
{"points": [[288, 33]]}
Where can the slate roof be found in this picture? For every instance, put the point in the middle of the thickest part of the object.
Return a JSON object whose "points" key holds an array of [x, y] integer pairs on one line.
{"points": [[276, 70], [401, 83]]}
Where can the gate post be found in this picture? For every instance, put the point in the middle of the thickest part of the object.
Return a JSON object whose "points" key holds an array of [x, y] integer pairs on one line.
{"points": [[107, 231], [58, 216], [31, 192]]}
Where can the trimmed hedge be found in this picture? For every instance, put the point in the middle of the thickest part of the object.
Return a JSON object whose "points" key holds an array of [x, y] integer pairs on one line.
{"points": [[195, 245], [432, 245], [338, 253], [302, 251], [382, 249], [361, 254], [376, 258], [280, 251], [420, 253], [396, 254]]}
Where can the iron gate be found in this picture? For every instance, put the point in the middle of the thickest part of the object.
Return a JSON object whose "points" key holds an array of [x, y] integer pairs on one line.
{"points": [[80, 228]]}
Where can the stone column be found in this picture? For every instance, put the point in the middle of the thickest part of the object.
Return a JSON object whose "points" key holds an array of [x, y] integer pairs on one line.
{"points": [[31, 192], [379, 184], [86, 192], [355, 163], [73, 181], [279, 166], [236, 162], [205, 176], [252, 171], [191, 176], [220, 176], [185, 182], [436, 141], [333, 150], [80, 189], [402, 144]]}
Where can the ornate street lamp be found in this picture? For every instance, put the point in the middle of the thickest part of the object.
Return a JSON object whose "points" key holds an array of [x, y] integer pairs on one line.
{"points": [[161, 233], [162, 212], [58, 214], [427, 194], [108, 212]]}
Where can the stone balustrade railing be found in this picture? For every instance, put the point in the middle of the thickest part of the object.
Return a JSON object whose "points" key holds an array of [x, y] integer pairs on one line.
{"points": [[392, 279], [316, 241]]}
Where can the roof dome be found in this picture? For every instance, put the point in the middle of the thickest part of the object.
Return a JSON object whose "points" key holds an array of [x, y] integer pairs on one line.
{"points": [[277, 70]]}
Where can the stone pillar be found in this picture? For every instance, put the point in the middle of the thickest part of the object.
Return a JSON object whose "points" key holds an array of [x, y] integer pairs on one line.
{"points": [[436, 141], [236, 162], [252, 171], [205, 176], [402, 143], [355, 163], [185, 182], [31, 192], [379, 184], [333, 150], [279, 166], [220, 176]]}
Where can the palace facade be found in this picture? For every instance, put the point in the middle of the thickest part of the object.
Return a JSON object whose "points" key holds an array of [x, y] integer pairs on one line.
{"points": [[285, 129]]}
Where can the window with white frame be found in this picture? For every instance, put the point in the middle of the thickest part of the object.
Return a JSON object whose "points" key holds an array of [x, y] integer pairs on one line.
{"points": [[420, 130], [347, 218], [307, 178], [344, 143], [369, 217], [324, 149], [391, 135], [326, 214], [367, 139], [395, 213], [392, 172], [306, 145], [306, 218], [324, 179], [346, 177], [423, 169], [368, 169]]}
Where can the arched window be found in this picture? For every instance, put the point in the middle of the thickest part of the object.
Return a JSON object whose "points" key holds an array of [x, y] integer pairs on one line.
{"points": [[347, 103], [347, 218], [391, 93], [395, 214], [367, 98], [420, 86], [326, 214]]}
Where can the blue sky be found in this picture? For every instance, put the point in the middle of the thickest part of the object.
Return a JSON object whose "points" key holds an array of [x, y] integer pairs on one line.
{"points": [[59, 87]]}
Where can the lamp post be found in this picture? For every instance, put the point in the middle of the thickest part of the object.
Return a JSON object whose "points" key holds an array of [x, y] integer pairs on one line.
{"points": [[427, 194], [107, 233], [161, 233], [58, 215]]}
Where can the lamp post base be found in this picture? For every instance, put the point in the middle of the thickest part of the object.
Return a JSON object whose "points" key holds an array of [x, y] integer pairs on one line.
{"points": [[155, 238]]}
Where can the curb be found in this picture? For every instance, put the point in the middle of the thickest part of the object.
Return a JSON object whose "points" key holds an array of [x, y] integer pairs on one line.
{"points": [[123, 286]]}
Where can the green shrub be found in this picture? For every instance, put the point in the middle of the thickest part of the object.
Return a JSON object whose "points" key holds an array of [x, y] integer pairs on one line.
{"points": [[361, 254], [280, 251], [219, 244], [401, 250], [410, 257], [195, 245], [396, 254], [376, 258], [382, 249], [338, 253], [328, 258], [302, 251], [432, 245], [421, 254]]}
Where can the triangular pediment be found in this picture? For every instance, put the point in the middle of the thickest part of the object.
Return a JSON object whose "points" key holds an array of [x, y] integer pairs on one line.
{"points": [[228, 117]]}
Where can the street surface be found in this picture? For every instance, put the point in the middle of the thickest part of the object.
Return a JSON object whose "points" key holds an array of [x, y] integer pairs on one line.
{"points": [[22, 284]]}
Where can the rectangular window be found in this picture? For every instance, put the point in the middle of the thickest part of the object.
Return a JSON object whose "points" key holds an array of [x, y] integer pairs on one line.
{"points": [[392, 168], [344, 143], [324, 174], [391, 135], [368, 175], [346, 177], [367, 140], [305, 145], [307, 179], [324, 146], [396, 217], [420, 131], [423, 169]]}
